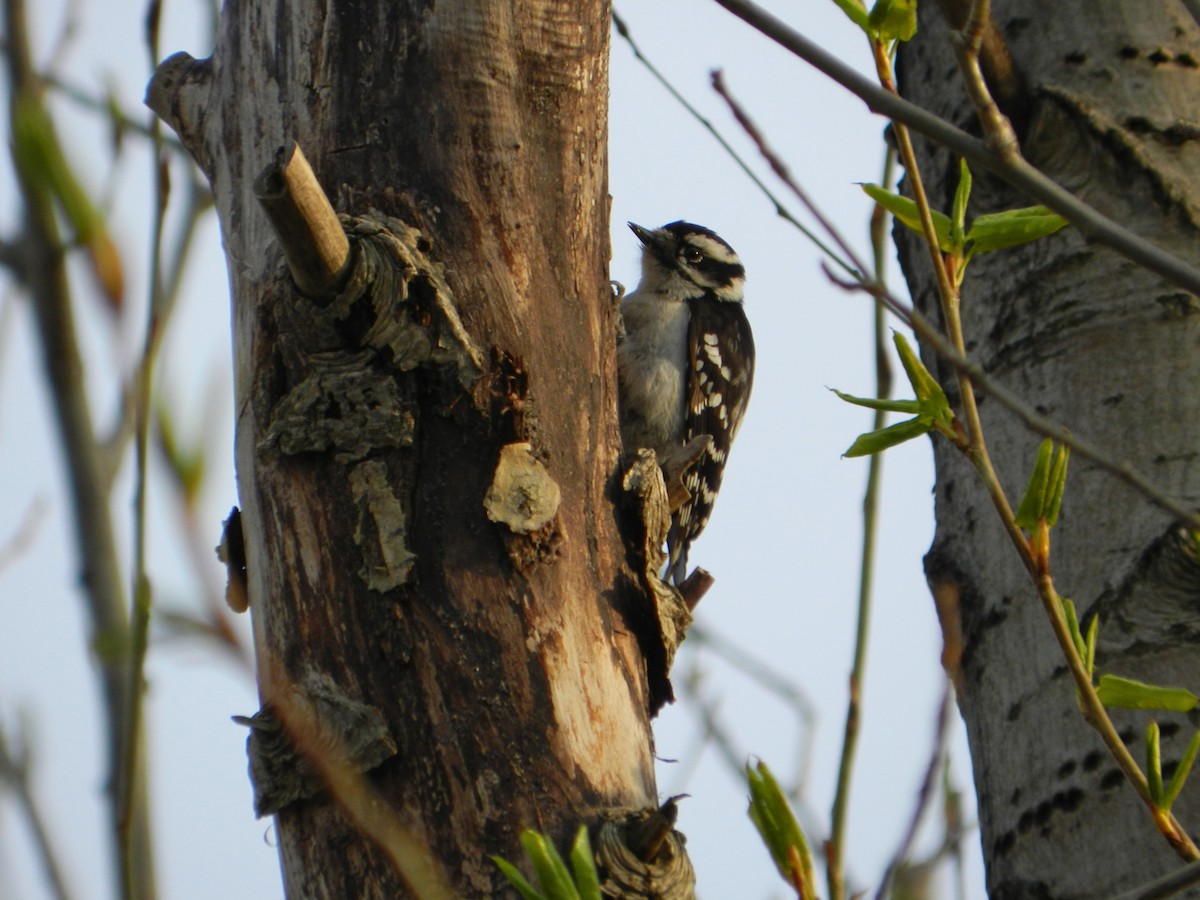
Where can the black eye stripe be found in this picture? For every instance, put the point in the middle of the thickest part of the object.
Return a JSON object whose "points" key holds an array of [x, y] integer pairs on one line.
{"points": [[720, 272]]}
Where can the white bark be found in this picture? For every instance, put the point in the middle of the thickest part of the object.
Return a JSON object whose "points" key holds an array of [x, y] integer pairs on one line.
{"points": [[1088, 339]]}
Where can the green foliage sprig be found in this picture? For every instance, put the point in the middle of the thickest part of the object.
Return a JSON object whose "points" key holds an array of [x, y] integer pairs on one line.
{"points": [[776, 823], [555, 880]]}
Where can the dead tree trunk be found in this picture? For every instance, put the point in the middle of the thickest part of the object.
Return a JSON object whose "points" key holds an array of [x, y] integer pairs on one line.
{"points": [[1101, 345], [428, 463]]}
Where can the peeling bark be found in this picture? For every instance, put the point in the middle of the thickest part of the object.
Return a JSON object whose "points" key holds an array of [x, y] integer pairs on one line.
{"points": [[466, 141]]}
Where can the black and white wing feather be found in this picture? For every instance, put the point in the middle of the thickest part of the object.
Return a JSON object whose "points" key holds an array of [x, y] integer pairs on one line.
{"points": [[720, 375]]}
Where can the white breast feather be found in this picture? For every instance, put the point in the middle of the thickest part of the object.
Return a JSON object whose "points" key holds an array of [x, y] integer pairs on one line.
{"points": [[652, 360]]}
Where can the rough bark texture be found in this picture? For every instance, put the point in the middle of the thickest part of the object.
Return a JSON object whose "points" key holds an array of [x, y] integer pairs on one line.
{"points": [[1091, 340], [505, 662]]}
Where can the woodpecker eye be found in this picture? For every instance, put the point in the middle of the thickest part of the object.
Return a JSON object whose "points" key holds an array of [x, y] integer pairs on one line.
{"points": [[692, 255]]}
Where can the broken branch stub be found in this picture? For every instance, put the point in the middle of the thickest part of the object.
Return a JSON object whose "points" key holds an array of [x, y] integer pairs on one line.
{"points": [[317, 250]]}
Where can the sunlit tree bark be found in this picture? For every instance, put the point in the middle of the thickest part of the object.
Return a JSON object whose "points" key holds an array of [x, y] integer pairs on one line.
{"points": [[504, 660]]}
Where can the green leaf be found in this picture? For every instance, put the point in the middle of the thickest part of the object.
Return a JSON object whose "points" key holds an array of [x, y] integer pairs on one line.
{"points": [[516, 879], [1181, 772], [1154, 765], [40, 159], [934, 404], [583, 865], [932, 407], [1126, 693], [894, 20], [1033, 504], [1044, 492], [552, 873], [905, 211], [923, 384], [886, 438], [900, 406], [958, 212], [855, 11], [1093, 632], [1011, 228], [1057, 484], [777, 825], [1072, 619]]}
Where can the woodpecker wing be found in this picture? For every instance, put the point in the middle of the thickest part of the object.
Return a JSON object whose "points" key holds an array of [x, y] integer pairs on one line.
{"points": [[720, 375]]}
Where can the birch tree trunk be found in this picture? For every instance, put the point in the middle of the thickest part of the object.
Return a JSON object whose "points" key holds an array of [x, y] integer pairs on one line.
{"points": [[505, 661], [1087, 338]]}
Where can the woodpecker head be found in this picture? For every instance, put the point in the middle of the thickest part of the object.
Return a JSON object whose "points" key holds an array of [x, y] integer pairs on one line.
{"points": [[684, 261]]}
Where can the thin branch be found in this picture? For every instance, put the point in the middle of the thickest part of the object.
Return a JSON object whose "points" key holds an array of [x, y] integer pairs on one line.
{"points": [[8, 306], [14, 772], [883, 389], [14, 548], [966, 43], [197, 204], [1017, 172], [123, 121], [779, 167], [46, 281], [780, 210], [1093, 710], [713, 731], [931, 335], [925, 793], [133, 834], [1035, 422], [774, 682]]}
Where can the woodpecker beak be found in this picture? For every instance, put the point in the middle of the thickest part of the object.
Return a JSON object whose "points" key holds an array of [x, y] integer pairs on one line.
{"points": [[645, 235]]}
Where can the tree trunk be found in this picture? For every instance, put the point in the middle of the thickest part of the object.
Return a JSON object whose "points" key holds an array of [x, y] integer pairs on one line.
{"points": [[504, 659], [1089, 339]]}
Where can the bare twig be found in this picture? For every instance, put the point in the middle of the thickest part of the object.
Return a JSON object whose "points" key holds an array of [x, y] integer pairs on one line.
{"points": [[15, 546], [997, 130], [780, 210], [1093, 710], [779, 167], [932, 337], [45, 278], [7, 312], [134, 838], [883, 387], [119, 117], [925, 794], [774, 682], [1017, 172], [197, 204], [410, 856], [14, 772]]}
